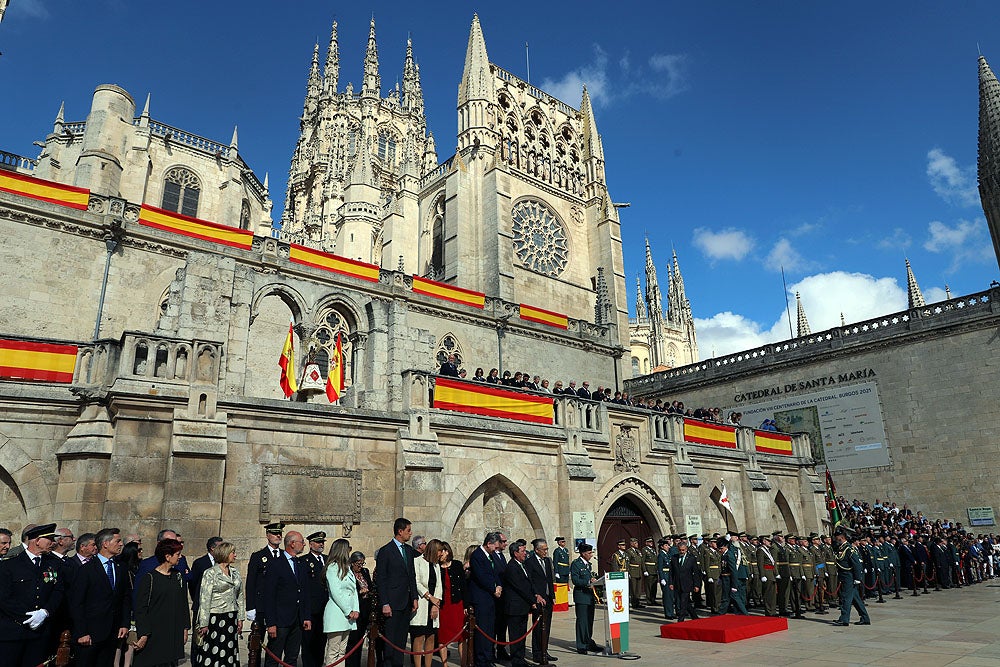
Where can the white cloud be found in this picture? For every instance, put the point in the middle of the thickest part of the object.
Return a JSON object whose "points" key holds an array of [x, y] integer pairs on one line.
{"points": [[951, 182], [729, 243], [968, 241], [784, 255], [670, 74], [899, 240], [824, 297], [594, 75], [934, 294]]}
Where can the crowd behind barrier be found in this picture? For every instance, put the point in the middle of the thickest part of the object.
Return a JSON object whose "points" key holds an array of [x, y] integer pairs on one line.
{"points": [[94, 600]]}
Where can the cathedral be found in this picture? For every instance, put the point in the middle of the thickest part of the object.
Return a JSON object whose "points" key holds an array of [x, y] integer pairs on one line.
{"points": [[139, 373]]}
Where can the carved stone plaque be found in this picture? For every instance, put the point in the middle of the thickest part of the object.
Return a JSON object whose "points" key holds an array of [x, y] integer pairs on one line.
{"points": [[310, 494]]}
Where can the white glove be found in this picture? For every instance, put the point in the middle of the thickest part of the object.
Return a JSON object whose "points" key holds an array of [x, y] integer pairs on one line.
{"points": [[763, 579], [777, 577], [803, 577], [663, 582], [866, 570], [557, 576], [733, 589], [251, 615], [711, 581], [857, 583], [35, 618]]}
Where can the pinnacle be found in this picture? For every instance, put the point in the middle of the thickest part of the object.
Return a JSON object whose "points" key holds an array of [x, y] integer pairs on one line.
{"points": [[803, 323]]}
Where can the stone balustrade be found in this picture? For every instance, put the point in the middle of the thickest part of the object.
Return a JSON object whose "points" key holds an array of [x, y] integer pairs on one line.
{"points": [[141, 356]]}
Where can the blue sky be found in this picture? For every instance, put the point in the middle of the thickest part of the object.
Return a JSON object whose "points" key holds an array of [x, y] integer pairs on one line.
{"points": [[832, 139]]}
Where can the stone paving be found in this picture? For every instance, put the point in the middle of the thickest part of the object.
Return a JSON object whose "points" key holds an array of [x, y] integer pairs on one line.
{"points": [[958, 627]]}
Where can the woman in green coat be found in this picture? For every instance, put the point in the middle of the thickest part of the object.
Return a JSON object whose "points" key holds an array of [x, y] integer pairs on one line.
{"points": [[343, 608]]}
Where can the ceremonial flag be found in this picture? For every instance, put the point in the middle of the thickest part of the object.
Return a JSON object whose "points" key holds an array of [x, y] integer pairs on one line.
{"points": [[287, 364], [542, 316], [317, 259], [40, 362], [831, 502], [169, 221], [481, 399], [724, 498], [448, 292], [705, 433], [49, 191], [335, 378]]}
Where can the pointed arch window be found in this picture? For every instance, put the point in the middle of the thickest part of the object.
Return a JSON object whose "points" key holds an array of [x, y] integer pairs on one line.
{"points": [[435, 267], [387, 147], [181, 191], [449, 345], [324, 341]]}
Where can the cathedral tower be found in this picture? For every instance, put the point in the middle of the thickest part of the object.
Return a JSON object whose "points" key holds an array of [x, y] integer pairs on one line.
{"points": [[989, 150]]}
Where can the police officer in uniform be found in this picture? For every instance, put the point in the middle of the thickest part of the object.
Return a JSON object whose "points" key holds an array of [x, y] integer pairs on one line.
{"points": [[584, 599], [663, 557], [808, 588], [560, 565], [851, 576], [649, 571], [314, 640], [258, 563], [31, 587], [634, 556]]}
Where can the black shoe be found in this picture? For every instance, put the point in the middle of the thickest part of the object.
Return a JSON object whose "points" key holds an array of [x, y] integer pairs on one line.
{"points": [[798, 616], [581, 651], [502, 654], [670, 618], [863, 623], [550, 658], [841, 624], [595, 648]]}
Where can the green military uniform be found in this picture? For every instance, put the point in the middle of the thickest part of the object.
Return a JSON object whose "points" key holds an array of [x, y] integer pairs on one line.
{"points": [[584, 601], [795, 575], [780, 551], [882, 565], [663, 557], [560, 564], [634, 556], [753, 583], [819, 572], [712, 564], [850, 573], [767, 569], [808, 589], [832, 581], [649, 571], [695, 595], [895, 574]]}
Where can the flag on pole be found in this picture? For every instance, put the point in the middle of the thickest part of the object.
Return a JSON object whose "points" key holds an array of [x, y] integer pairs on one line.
{"points": [[724, 498], [335, 377], [831, 502], [287, 364]]}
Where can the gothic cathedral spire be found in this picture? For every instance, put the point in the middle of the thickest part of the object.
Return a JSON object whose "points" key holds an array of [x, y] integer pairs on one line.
{"points": [[313, 85], [476, 93], [654, 300], [914, 297], [372, 85], [989, 150], [331, 71], [413, 96], [802, 325]]}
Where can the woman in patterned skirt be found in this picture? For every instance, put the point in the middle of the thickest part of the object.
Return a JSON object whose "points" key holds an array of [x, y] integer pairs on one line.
{"points": [[220, 611]]}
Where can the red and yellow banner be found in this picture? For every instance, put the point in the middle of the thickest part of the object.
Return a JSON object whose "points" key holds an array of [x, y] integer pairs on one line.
{"points": [[327, 262], [448, 292], [36, 188], [706, 433], [335, 375], [177, 223], [768, 442], [479, 399], [286, 362], [40, 362], [533, 314]]}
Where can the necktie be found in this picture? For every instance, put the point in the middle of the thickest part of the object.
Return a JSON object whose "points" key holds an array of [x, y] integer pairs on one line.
{"points": [[291, 564], [682, 559], [37, 560], [275, 553], [402, 552], [110, 567]]}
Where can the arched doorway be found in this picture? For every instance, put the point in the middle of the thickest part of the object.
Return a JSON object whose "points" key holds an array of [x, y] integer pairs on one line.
{"points": [[625, 520]]}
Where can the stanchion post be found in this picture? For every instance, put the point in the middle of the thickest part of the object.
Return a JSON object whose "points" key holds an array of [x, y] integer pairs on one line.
{"points": [[470, 648], [545, 639], [254, 645], [63, 649], [372, 638]]}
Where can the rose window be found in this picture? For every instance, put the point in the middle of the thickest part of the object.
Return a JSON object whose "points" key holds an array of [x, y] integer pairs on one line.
{"points": [[539, 238]]}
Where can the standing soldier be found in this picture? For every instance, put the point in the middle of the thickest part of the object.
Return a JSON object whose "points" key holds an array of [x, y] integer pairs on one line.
{"points": [[314, 639], [584, 599], [780, 553], [693, 551], [808, 572], [831, 592], [796, 575], [619, 559], [867, 567], [663, 557], [712, 569], [258, 564], [819, 568], [649, 571], [851, 576], [634, 556], [882, 563], [753, 584], [560, 565], [767, 570]]}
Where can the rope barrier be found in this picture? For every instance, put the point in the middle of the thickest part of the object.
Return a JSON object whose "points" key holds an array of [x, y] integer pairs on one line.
{"points": [[429, 651], [332, 664], [510, 643]]}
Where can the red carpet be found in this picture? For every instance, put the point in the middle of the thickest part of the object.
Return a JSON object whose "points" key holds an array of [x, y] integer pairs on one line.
{"points": [[724, 629]]}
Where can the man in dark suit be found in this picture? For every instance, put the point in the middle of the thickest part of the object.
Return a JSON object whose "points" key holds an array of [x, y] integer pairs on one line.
{"points": [[31, 590], [540, 572], [484, 590], [396, 583], [198, 569], [519, 599], [100, 603], [258, 563], [500, 626], [283, 604], [685, 576], [314, 641]]}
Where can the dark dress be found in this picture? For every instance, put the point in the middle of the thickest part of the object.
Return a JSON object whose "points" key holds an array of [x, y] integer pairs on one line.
{"points": [[452, 610], [161, 614]]}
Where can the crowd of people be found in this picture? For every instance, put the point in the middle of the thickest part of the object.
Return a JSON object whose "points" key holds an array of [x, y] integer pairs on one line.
{"points": [[524, 380], [318, 603]]}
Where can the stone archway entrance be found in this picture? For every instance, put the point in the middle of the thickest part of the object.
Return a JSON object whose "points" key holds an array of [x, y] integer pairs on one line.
{"points": [[625, 519]]}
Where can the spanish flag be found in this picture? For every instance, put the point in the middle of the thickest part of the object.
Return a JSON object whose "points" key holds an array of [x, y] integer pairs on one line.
{"points": [[287, 364], [39, 362], [706, 433], [541, 316], [448, 292], [324, 261], [479, 399], [335, 377], [769, 442], [168, 221], [50, 191]]}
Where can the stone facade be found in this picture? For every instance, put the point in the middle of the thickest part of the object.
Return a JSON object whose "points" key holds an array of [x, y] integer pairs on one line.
{"points": [[175, 418], [936, 386]]}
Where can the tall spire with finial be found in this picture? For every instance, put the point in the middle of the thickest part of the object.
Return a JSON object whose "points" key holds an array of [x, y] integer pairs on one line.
{"points": [[640, 303], [313, 85], [654, 299], [591, 139], [331, 71], [477, 82], [679, 283], [989, 150], [914, 297], [372, 85], [413, 97], [60, 122], [802, 324]]}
